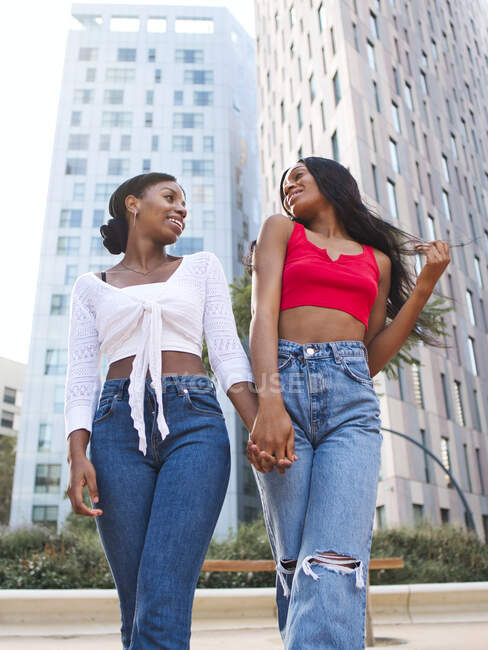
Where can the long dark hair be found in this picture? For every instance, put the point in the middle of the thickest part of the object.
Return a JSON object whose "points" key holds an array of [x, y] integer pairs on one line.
{"points": [[340, 189], [116, 231]]}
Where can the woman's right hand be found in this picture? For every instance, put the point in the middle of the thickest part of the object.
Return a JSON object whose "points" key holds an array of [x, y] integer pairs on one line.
{"points": [[82, 473], [272, 439]]}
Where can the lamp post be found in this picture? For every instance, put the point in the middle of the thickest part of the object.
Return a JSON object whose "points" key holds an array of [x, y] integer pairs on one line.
{"points": [[469, 514]]}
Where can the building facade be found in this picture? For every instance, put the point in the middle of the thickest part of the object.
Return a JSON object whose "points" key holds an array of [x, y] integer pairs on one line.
{"points": [[396, 92], [145, 88]]}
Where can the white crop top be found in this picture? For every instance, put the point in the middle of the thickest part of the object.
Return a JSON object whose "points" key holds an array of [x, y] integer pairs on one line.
{"points": [[143, 320]]}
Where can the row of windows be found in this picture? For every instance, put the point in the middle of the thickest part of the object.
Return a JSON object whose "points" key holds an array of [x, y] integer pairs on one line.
{"points": [[152, 24], [121, 166], [81, 142], [130, 54], [116, 95], [419, 517], [9, 395], [124, 119]]}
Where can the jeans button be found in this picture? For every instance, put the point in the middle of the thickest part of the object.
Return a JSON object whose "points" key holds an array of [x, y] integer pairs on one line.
{"points": [[310, 350]]}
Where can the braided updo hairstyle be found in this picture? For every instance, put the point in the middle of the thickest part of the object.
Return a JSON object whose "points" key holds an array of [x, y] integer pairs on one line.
{"points": [[116, 231]]}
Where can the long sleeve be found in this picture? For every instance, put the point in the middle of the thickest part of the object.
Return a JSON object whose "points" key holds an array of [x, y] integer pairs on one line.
{"points": [[226, 354], [83, 372]]}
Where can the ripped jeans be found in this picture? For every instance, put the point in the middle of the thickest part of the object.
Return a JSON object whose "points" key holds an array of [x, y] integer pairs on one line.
{"points": [[319, 515]]}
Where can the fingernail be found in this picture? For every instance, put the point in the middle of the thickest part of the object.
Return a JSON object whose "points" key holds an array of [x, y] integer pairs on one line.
{"points": [[95, 500]]}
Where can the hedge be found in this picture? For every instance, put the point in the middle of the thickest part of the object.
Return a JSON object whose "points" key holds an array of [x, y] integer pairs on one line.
{"points": [[37, 558]]}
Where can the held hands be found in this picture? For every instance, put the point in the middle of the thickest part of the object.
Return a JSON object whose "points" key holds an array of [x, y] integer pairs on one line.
{"points": [[437, 259], [271, 442], [82, 473]]}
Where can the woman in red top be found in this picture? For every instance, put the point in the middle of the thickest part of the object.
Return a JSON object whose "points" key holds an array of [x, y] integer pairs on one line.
{"points": [[324, 282]]}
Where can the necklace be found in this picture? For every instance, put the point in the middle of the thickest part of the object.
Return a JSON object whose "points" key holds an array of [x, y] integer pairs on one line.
{"points": [[142, 272]]}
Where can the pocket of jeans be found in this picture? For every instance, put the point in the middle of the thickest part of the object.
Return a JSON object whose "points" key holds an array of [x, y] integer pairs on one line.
{"points": [[104, 409], [203, 402], [357, 368], [284, 360]]}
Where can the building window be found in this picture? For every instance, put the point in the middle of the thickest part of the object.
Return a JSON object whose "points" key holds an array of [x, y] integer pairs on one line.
{"points": [[458, 403], [59, 304], [155, 143], [55, 362], [477, 271], [445, 395], [375, 183], [472, 355], [198, 77], [151, 55], [188, 120], [178, 98], [7, 419], [44, 437], [157, 76], [146, 165], [126, 54], [423, 82], [58, 406], [208, 143], [446, 458], [203, 194], [120, 75], [70, 218], [311, 88], [118, 166], [103, 191], [409, 96], [189, 56], [394, 155], [45, 515], [446, 205], [148, 119], [83, 96], [431, 227], [75, 167], [70, 274], [149, 97], [392, 199], [125, 142], [194, 26], [187, 246], [9, 395], [96, 246], [98, 218], [117, 119], [335, 146], [469, 303], [202, 98], [337, 87], [299, 116], [198, 167], [75, 118], [426, 457], [182, 143], [322, 115], [444, 515], [396, 117], [371, 55], [78, 142], [156, 25], [113, 96], [104, 143], [480, 470], [87, 54], [466, 464], [373, 22], [68, 246], [417, 385], [321, 16], [381, 517], [418, 514]]}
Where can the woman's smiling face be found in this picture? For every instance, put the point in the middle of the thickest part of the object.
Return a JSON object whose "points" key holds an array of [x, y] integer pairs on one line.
{"points": [[302, 197]]}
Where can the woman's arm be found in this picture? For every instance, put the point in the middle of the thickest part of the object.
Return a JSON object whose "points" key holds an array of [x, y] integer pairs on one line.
{"points": [[385, 342], [226, 354], [273, 432]]}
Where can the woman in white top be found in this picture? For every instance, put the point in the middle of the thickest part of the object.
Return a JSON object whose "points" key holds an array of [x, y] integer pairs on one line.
{"points": [[159, 450]]}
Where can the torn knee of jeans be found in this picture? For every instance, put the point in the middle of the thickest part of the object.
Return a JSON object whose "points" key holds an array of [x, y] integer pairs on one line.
{"points": [[285, 566], [336, 562]]}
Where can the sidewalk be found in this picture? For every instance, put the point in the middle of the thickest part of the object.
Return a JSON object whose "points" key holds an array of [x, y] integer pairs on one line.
{"points": [[445, 636]]}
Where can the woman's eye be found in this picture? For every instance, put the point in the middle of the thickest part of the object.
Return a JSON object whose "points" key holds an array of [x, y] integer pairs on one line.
{"points": [[169, 196]]}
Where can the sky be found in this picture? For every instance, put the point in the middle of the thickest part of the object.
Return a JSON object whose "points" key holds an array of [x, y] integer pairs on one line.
{"points": [[32, 43]]}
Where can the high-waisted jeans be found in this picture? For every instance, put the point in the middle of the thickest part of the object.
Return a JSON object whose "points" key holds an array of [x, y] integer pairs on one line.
{"points": [[323, 507], [159, 510]]}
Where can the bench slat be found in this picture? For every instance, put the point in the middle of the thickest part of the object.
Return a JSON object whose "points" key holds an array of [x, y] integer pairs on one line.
{"points": [[233, 566]]}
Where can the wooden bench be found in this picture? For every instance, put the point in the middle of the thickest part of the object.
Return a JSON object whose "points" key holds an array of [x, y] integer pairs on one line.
{"points": [[252, 566]]}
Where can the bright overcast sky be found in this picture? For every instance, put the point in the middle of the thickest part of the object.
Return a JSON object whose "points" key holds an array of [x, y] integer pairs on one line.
{"points": [[32, 43]]}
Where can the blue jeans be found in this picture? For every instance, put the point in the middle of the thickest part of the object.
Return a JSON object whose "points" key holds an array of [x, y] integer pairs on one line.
{"points": [[159, 510], [323, 507]]}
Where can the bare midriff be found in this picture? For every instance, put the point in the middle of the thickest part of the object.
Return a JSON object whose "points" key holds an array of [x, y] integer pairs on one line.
{"points": [[310, 324], [173, 363]]}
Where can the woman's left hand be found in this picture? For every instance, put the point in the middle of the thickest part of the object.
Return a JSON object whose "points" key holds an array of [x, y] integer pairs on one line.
{"points": [[437, 254]]}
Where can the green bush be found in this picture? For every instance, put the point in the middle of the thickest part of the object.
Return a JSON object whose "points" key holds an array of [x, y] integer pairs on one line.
{"points": [[37, 558]]}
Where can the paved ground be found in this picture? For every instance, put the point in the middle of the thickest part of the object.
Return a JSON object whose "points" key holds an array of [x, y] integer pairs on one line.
{"points": [[445, 636]]}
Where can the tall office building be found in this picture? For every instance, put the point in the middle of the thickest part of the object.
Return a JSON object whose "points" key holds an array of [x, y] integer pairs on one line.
{"points": [[397, 92], [145, 88]]}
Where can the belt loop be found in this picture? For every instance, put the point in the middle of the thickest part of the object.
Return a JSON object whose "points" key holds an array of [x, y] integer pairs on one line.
{"points": [[179, 386], [119, 395], [335, 351]]}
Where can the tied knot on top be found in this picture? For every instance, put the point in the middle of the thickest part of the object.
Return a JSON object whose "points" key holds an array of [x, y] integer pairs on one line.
{"points": [[147, 306]]}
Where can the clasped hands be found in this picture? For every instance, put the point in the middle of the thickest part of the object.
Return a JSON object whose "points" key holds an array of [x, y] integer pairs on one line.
{"points": [[271, 442]]}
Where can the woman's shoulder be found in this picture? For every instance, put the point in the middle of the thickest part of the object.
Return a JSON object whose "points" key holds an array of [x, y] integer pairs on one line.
{"points": [[279, 222]]}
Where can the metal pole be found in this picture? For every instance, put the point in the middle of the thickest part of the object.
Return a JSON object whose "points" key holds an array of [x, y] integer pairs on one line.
{"points": [[469, 514]]}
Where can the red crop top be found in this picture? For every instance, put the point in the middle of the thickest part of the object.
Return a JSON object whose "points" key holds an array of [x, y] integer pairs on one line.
{"points": [[310, 277]]}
